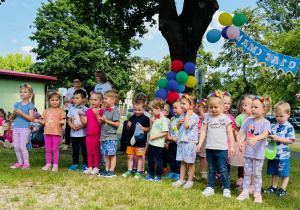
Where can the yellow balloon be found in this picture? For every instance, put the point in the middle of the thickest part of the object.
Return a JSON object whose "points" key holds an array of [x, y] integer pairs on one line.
{"points": [[225, 19], [191, 82]]}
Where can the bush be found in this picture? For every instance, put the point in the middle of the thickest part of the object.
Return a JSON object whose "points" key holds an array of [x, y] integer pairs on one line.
{"points": [[128, 116]]}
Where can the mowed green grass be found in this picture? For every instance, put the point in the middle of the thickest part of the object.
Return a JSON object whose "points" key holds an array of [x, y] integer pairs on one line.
{"points": [[37, 189]]}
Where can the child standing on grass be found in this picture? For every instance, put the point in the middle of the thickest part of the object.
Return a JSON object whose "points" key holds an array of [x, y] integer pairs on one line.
{"points": [[78, 129], [166, 113], [256, 131], [23, 114], [284, 134], [200, 110], [138, 148], [217, 126], [6, 139], [187, 140], [110, 122], [172, 141], [158, 131], [91, 120], [53, 119]]}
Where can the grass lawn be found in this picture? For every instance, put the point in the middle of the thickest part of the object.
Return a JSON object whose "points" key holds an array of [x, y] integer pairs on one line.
{"points": [[37, 189]]}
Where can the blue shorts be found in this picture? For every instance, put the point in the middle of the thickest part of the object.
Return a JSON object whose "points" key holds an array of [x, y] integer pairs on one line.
{"points": [[109, 147], [280, 168], [186, 152]]}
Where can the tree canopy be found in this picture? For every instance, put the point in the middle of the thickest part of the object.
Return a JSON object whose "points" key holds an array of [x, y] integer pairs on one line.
{"points": [[16, 61]]}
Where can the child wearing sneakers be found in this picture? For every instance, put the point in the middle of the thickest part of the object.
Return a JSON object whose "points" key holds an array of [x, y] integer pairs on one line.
{"points": [[187, 140], [158, 131], [110, 122], [284, 134], [138, 147], [218, 128], [256, 131], [172, 141], [166, 113], [78, 129]]}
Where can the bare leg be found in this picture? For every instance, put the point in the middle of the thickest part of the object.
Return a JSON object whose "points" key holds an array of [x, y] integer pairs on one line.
{"points": [[284, 182], [107, 162], [191, 171], [113, 162], [182, 170], [130, 161], [139, 163], [203, 164]]}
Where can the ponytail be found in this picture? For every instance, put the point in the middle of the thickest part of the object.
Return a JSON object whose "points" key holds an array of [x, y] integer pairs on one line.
{"points": [[32, 98]]}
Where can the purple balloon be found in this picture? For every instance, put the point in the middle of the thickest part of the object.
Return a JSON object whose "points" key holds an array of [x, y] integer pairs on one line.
{"points": [[189, 67], [180, 88], [161, 93], [233, 32], [224, 32], [171, 75], [172, 85]]}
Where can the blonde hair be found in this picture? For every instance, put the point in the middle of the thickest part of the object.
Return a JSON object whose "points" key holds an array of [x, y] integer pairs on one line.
{"points": [[30, 90], [113, 94], [282, 106], [214, 97], [192, 99], [267, 103], [156, 103], [101, 75], [99, 95]]}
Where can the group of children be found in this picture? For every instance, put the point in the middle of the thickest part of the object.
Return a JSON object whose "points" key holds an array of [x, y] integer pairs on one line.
{"points": [[215, 136]]}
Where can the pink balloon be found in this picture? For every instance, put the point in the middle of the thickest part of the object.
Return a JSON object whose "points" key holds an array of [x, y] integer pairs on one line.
{"points": [[233, 32]]}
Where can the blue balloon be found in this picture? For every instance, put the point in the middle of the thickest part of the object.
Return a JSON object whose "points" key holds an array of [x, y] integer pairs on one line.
{"points": [[172, 85], [213, 35], [171, 111], [171, 75], [180, 88], [161, 93], [224, 32], [189, 67]]}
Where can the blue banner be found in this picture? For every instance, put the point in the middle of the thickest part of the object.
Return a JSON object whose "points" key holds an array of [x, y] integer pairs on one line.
{"points": [[266, 56]]}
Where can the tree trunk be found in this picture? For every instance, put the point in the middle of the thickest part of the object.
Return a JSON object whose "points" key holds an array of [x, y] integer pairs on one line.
{"points": [[184, 32]]}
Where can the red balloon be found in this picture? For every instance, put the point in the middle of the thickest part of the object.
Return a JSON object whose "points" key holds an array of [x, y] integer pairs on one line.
{"points": [[172, 96], [177, 65]]}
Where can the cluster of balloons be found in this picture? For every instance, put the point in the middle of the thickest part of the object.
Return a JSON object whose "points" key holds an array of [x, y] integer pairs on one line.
{"points": [[177, 80], [231, 31]]}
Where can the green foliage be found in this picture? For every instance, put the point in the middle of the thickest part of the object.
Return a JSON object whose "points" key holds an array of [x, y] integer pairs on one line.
{"points": [[70, 48], [128, 116], [16, 61]]}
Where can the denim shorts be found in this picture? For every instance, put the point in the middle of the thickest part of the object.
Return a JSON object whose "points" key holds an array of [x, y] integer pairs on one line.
{"points": [[280, 168], [109, 147]]}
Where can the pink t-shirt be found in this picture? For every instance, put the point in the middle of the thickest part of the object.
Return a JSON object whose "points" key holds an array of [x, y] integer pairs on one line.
{"points": [[7, 135], [1, 120], [234, 126], [93, 127]]}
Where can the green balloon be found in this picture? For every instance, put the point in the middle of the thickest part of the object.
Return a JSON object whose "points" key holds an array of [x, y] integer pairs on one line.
{"points": [[182, 77], [239, 20], [162, 83]]}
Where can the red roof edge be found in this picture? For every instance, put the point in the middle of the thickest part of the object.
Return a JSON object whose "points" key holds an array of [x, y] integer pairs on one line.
{"points": [[27, 75]]}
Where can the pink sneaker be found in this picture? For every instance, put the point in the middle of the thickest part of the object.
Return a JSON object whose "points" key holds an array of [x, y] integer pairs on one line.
{"points": [[244, 195], [257, 198], [55, 167], [47, 167], [239, 181], [26, 166], [17, 165]]}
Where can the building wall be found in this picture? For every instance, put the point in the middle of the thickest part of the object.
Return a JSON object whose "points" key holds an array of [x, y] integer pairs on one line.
{"points": [[10, 89]]}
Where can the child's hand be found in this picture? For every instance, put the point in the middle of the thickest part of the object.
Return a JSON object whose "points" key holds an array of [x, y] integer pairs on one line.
{"points": [[198, 148], [181, 121], [104, 119], [152, 119], [79, 112], [77, 127], [36, 120], [167, 145], [99, 118], [241, 146], [189, 112], [62, 122], [252, 141], [273, 137], [17, 111], [232, 152], [129, 124]]}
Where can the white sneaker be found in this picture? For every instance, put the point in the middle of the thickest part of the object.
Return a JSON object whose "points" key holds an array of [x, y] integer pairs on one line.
{"points": [[188, 184], [226, 193], [208, 191], [178, 183], [87, 171], [94, 171]]}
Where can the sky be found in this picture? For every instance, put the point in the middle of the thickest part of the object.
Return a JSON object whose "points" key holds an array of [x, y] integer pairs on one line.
{"points": [[16, 16]]}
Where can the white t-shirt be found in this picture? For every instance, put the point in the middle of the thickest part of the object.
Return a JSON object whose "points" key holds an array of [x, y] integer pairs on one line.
{"points": [[70, 93], [103, 88]]}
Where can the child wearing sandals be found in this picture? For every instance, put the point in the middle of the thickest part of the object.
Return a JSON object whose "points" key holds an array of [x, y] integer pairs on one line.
{"points": [[187, 140], [53, 118], [256, 131], [284, 134], [218, 128]]}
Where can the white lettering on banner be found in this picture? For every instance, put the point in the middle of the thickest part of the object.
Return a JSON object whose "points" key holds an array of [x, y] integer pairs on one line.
{"points": [[252, 49], [260, 52], [245, 43], [268, 57], [240, 38], [275, 60], [283, 61], [292, 64]]}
